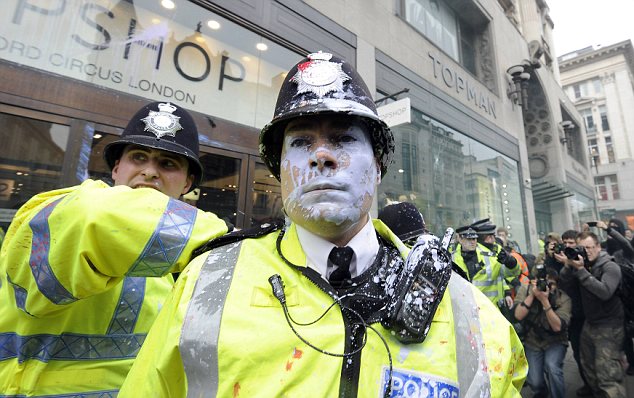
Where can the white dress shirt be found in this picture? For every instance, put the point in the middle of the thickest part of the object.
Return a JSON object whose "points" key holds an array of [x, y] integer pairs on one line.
{"points": [[317, 249]]}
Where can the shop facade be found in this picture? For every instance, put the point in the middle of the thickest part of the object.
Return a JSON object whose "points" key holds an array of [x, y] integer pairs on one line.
{"points": [[75, 71]]}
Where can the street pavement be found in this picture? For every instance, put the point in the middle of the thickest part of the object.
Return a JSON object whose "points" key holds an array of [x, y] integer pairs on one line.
{"points": [[573, 380]]}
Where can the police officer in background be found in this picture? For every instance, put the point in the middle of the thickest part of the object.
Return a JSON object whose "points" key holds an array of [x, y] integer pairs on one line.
{"points": [[75, 303], [300, 311], [509, 270], [485, 263]]}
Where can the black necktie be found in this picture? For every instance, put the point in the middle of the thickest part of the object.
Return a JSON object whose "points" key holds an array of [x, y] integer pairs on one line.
{"points": [[341, 258]]}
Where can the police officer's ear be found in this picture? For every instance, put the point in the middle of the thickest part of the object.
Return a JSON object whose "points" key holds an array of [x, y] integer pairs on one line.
{"points": [[378, 171], [188, 183], [115, 169]]}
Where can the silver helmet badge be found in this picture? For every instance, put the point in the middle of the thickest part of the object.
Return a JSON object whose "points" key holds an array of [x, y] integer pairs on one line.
{"points": [[319, 75], [163, 122]]}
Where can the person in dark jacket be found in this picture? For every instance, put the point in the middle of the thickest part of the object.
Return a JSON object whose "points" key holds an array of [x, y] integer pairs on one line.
{"points": [[621, 248], [572, 289], [405, 221], [544, 311], [553, 242], [603, 332]]}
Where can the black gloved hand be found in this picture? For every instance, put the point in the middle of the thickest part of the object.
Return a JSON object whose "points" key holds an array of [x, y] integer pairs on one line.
{"points": [[506, 259]]}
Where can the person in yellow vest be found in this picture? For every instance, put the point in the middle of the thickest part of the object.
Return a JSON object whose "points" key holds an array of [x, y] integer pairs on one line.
{"points": [[306, 311], [482, 262], [512, 248], [76, 300]]}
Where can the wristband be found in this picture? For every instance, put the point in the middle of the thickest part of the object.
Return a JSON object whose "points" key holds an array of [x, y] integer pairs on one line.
{"points": [[547, 309], [523, 304]]}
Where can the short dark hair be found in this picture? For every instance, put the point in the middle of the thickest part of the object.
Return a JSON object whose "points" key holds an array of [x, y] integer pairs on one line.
{"points": [[569, 234], [553, 274], [588, 234]]}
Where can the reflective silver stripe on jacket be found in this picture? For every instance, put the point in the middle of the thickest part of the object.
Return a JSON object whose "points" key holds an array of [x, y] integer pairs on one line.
{"points": [[168, 240], [43, 274], [470, 354], [199, 336], [119, 342]]}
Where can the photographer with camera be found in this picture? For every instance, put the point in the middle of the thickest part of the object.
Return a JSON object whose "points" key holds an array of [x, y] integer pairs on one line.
{"points": [[544, 311], [572, 289], [603, 332], [620, 247], [552, 247]]}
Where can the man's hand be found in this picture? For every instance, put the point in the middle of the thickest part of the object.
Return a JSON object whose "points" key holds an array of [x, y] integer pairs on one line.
{"points": [[509, 301], [540, 295], [561, 257], [506, 259], [502, 256], [602, 225], [578, 263]]}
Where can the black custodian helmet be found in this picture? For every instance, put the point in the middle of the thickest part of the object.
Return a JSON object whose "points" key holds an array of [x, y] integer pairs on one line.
{"points": [[320, 84], [164, 126], [404, 220]]}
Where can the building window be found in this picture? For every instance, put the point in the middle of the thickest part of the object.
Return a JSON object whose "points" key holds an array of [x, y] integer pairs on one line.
{"points": [[598, 87], [607, 187], [610, 149], [580, 89], [605, 124], [410, 165], [589, 120], [462, 34], [602, 192]]}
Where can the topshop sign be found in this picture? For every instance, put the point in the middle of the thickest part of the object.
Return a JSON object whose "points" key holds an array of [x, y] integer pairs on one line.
{"points": [[154, 53]]}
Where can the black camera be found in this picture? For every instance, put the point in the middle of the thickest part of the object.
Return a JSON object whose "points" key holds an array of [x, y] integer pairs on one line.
{"points": [[542, 283], [573, 253], [559, 247]]}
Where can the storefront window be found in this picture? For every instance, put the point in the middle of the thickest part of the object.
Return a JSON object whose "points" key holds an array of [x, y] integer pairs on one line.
{"points": [[267, 196], [454, 180], [183, 54], [583, 210], [31, 164]]}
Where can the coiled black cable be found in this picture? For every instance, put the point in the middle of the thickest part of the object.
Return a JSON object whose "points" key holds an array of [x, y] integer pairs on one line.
{"points": [[277, 286]]}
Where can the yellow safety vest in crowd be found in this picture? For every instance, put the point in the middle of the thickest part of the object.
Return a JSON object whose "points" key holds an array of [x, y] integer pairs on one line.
{"points": [[491, 278], [75, 303], [222, 333]]}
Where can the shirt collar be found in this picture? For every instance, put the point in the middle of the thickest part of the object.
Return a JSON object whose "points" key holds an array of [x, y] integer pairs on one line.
{"points": [[365, 245]]}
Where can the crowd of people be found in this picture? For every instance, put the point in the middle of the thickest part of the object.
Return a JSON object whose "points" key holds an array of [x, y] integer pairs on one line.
{"points": [[328, 302], [569, 294], [566, 295]]}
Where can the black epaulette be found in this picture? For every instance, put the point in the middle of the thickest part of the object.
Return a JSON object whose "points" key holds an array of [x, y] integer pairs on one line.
{"points": [[236, 236], [455, 268]]}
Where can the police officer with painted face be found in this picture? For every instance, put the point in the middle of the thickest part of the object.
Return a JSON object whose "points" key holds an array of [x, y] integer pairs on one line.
{"points": [[84, 270], [298, 309]]}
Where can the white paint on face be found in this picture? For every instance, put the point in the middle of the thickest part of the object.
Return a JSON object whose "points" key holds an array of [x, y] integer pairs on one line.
{"points": [[328, 174]]}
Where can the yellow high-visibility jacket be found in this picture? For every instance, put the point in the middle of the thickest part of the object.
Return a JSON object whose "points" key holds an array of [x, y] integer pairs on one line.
{"points": [[75, 303], [491, 278], [222, 333]]}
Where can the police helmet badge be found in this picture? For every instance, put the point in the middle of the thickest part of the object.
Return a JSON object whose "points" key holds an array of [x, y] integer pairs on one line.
{"points": [[319, 75], [163, 122]]}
